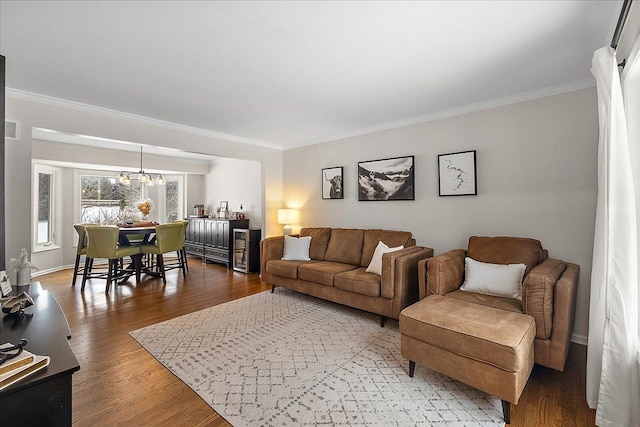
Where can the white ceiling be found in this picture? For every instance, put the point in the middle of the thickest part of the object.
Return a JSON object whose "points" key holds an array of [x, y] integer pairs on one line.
{"points": [[289, 73]]}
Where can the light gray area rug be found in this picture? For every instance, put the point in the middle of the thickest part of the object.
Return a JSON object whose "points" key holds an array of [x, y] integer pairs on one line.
{"points": [[289, 359]]}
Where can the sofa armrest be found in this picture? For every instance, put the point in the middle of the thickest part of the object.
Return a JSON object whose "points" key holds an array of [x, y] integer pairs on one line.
{"points": [[538, 291], [563, 316], [441, 274], [399, 279], [270, 248]]}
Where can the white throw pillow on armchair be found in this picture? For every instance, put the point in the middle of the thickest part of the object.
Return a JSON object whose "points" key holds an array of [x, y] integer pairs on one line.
{"points": [[502, 280], [296, 248], [375, 266]]}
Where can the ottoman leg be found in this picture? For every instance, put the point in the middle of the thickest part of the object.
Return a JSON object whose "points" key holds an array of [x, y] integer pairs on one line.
{"points": [[412, 368], [506, 411]]}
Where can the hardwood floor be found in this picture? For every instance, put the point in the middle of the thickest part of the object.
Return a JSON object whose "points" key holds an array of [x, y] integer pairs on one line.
{"points": [[119, 383]]}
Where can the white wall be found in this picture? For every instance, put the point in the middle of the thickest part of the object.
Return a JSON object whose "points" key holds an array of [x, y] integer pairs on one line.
{"points": [[536, 178], [235, 181]]}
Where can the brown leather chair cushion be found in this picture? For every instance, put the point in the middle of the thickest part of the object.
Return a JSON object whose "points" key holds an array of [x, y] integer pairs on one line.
{"points": [[506, 250]]}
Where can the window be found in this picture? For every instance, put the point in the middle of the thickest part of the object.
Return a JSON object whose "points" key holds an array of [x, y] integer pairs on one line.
{"points": [[104, 200], [169, 199], [101, 199], [46, 205]]}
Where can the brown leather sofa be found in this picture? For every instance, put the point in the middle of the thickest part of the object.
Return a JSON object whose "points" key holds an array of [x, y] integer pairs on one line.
{"points": [[336, 271], [548, 290]]}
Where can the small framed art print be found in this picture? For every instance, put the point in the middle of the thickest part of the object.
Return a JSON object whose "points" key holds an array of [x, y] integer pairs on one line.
{"points": [[457, 174], [332, 183], [5, 285]]}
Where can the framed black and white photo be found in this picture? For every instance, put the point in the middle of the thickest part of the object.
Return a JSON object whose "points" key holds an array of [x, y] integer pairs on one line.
{"points": [[332, 183], [5, 285], [386, 179], [457, 174], [223, 206]]}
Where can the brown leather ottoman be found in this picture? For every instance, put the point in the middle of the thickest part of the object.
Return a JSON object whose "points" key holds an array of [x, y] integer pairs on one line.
{"points": [[484, 347]]}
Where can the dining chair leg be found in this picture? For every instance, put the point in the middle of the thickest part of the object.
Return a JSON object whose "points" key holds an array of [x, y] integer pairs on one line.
{"points": [[110, 274], [85, 273], [160, 265], [182, 262], [184, 257], [75, 270], [137, 263]]}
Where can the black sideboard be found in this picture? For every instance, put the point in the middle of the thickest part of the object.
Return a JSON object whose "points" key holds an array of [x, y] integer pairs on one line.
{"points": [[211, 239], [44, 398]]}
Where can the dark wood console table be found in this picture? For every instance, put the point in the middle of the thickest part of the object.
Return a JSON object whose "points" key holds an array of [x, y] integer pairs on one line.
{"points": [[44, 398], [211, 239]]}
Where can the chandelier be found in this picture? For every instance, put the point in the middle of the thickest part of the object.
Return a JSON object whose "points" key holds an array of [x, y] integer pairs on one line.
{"points": [[143, 177]]}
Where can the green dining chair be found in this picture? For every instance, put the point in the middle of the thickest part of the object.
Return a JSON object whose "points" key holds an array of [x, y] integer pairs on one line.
{"points": [[169, 238], [81, 249], [103, 244]]}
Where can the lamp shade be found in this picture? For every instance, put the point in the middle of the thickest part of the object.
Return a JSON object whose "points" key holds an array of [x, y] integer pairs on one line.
{"points": [[288, 216]]}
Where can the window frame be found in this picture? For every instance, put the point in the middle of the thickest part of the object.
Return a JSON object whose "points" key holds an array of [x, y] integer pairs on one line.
{"points": [[55, 220]]}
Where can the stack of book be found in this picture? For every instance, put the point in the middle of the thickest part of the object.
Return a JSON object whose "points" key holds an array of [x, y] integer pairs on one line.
{"points": [[21, 366]]}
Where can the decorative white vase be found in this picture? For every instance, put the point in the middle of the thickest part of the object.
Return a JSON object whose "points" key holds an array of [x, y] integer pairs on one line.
{"points": [[24, 277]]}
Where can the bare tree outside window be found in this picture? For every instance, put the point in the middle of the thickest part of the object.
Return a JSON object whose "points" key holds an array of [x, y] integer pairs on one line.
{"points": [[44, 209], [173, 201], [106, 201]]}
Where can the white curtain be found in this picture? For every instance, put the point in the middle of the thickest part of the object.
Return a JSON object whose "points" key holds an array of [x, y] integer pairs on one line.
{"points": [[613, 378]]}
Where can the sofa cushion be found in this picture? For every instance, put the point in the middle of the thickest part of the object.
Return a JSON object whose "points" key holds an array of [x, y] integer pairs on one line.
{"points": [[389, 237], [345, 245], [506, 250], [319, 240], [296, 248], [502, 280], [322, 272], [358, 281], [287, 269]]}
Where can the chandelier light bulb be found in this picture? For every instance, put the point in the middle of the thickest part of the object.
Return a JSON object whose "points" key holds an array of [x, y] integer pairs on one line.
{"points": [[143, 177]]}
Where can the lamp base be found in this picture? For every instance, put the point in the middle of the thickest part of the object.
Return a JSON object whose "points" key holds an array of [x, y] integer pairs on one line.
{"points": [[286, 230]]}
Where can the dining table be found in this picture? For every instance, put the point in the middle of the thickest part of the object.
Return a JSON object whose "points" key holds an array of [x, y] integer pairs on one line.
{"points": [[145, 233]]}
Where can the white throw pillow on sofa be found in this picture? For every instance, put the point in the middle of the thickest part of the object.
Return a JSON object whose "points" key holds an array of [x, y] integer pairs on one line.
{"points": [[296, 248], [502, 280], [375, 266]]}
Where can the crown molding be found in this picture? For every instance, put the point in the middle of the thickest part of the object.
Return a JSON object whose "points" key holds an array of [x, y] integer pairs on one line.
{"points": [[78, 106], [485, 105]]}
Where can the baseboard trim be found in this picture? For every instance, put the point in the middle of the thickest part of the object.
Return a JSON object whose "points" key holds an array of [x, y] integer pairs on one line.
{"points": [[51, 270], [580, 339]]}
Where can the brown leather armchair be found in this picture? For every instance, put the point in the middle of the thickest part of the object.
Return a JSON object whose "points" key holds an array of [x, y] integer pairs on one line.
{"points": [[548, 289]]}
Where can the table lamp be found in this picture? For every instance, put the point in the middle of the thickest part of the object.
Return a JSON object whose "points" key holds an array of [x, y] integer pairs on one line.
{"points": [[287, 217]]}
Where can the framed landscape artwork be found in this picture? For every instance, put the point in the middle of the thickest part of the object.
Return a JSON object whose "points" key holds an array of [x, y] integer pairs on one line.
{"points": [[332, 183], [457, 174], [386, 179]]}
